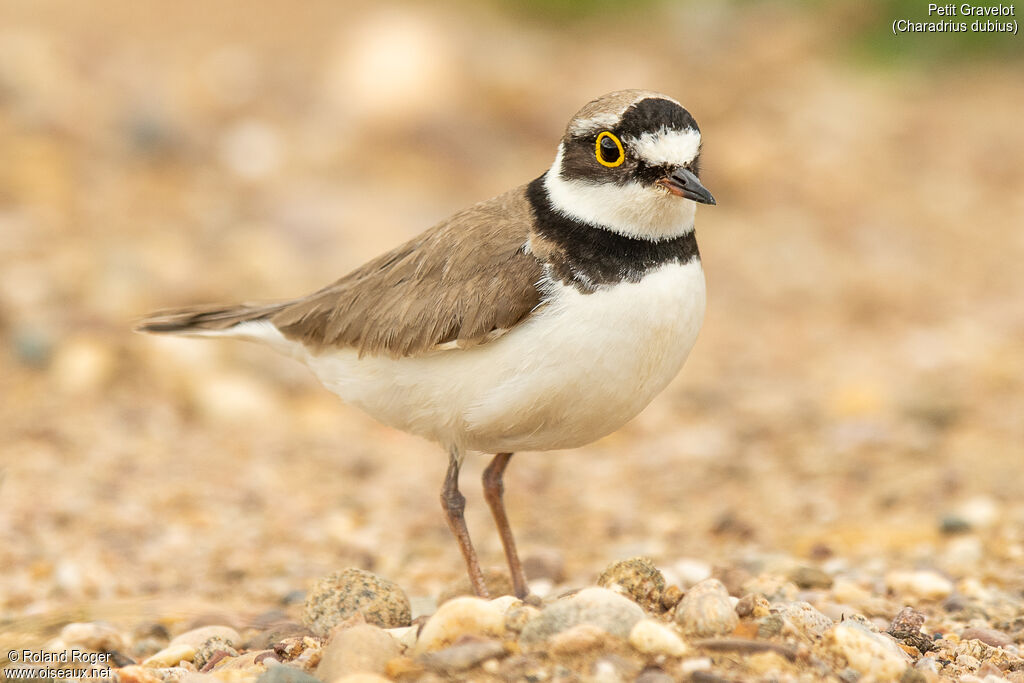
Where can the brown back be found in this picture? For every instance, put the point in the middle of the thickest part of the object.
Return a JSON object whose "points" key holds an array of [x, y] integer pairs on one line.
{"points": [[463, 281]]}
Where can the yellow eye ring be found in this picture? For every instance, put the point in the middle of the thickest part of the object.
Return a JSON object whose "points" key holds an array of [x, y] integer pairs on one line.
{"points": [[597, 150]]}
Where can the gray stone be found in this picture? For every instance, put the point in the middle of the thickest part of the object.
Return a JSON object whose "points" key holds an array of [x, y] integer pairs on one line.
{"points": [[599, 607], [282, 673], [706, 610]]}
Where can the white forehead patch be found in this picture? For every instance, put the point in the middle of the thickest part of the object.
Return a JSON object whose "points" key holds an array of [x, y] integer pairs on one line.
{"points": [[594, 122], [667, 146]]}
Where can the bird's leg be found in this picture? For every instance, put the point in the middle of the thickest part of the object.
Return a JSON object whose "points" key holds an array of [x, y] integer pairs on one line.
{"points": [[453, 503], [494, 490]]}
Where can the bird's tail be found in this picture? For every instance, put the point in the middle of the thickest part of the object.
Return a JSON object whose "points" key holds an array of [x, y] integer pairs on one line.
{"points": [[210, 320]]}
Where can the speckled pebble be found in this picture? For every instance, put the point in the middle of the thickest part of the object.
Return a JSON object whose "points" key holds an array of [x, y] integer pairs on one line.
{"points": [[924, 584], [93, 636], [596, 606], [360, 648], [655, 638], [344, 594], [805, 618], [170, 656], [197, 636], [460, 617], [636, 578], [869, 653], [212, 651], [706, 610]]}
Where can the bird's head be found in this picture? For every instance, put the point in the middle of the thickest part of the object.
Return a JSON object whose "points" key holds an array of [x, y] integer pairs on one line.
{"points": [[630, 162]]}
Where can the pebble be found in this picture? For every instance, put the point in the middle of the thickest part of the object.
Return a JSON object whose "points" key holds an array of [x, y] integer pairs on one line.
{"points": [[462, 656], [362, 678], [989, 636], [346, 593], [670, 597], [694, 665], [753, 606], [606, 671], [596, 606], [655, 638], [360, 648], [924, 584], [774, 587], [93, 636], [197, 636], [460, 617], [281, 673], [212, 651], [706, 610], [869, 653], [274, 633], [805, 618], [517, 618], [636, 578], [249, 661], [506, 603], [579, 638], [807, 577], [170, 656]]}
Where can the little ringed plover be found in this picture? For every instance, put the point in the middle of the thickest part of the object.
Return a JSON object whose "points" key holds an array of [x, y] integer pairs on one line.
{"points": [[544, 318]]}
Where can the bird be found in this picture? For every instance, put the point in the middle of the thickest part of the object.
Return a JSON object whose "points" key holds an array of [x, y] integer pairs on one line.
{"points": [[542, 319]]}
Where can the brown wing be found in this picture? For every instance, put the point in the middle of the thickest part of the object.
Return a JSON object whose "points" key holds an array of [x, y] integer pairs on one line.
{"points": [[463, 281]]}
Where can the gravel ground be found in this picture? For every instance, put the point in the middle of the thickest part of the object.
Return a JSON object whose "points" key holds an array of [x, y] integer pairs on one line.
{"points": [[846, 440]]}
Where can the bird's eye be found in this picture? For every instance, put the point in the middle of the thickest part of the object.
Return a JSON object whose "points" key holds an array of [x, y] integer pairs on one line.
{"points": [[609, 150]]}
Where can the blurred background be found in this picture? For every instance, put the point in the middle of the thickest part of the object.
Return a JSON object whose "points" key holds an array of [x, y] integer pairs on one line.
{"points": [[856, 395]]}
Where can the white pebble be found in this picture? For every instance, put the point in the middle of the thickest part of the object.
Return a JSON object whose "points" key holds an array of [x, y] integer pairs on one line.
{"points": [[654, 638], [690, 666], [458, 617], [872, 654]]}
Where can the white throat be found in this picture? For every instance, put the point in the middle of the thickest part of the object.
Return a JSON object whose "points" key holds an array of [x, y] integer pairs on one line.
{"points": [[635, 210]]}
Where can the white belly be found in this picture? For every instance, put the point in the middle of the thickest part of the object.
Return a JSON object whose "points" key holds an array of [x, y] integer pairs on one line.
{"points": [[578, 369]]}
